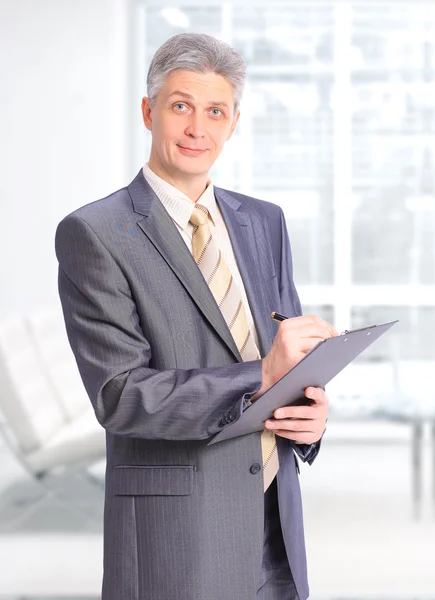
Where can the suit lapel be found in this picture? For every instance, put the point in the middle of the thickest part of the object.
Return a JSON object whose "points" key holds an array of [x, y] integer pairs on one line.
{"points": [[163, 234], [254, 262]]}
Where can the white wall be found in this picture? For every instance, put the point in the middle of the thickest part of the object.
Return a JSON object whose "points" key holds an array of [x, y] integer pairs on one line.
{"points": [[63, 131]]}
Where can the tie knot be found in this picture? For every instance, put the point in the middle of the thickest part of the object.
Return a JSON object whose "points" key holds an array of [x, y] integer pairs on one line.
{"points": [[199, 215]]}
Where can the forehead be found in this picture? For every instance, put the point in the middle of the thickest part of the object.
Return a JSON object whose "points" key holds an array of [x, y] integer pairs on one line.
{"points": [[201, 86]]}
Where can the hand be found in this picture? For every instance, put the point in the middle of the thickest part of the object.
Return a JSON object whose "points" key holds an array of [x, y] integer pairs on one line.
{"points": [[302, 424], [295, 337]]}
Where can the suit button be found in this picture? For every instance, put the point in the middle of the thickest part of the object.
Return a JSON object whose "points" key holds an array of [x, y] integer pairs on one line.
{"points": [[232, 415], [255, 468]]}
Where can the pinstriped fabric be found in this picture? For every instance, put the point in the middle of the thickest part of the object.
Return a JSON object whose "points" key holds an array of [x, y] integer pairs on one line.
{"points": [[179, 206], [120, 527], [160, 378], [151, 479], [212, 265]]}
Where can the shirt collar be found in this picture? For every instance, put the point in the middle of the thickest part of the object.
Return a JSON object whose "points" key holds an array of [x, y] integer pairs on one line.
{"points": [[178, 205]]}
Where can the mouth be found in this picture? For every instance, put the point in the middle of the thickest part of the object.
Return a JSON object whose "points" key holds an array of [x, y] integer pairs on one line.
{"points": [[191, 151]]}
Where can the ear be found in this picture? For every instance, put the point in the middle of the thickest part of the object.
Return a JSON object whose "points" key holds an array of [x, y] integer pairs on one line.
{"points": [[233, 125], [146, 113]]}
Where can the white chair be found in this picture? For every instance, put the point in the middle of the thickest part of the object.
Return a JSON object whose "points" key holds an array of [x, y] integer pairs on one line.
{"points": [[48, 421], [48, 331]]}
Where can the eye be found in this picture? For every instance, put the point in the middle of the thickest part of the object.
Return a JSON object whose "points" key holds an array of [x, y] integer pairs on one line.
{"points": [[179, 106], [216, 112]]}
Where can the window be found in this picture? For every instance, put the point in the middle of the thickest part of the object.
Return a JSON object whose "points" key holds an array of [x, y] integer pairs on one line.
{"points": [[338, 127]]}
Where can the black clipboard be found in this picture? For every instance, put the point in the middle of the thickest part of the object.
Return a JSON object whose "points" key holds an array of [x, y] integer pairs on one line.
{"points": [[316, 369]]}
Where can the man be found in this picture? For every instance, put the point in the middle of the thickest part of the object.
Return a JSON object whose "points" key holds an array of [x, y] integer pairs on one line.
{"points": [[167, 288]]}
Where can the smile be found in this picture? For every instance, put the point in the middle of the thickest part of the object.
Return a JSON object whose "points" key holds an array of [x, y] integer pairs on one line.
{"points": [[191, 151]]}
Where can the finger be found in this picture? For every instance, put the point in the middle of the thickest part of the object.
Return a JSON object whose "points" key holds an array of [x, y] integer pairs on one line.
{"points": [[306, 329], [291, 425], [317, 394], [298, 347], [307, 343], [331, 329], [295, 412], [322, 323]]}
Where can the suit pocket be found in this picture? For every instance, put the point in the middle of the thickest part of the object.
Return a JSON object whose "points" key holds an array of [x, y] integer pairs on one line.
{"points": [[153, 480]]}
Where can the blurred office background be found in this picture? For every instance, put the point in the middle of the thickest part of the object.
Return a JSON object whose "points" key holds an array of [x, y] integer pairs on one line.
{"points": [[338, 127]]}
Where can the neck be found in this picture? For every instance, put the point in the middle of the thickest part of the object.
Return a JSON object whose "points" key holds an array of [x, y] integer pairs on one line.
{"points": [[193, 186]]}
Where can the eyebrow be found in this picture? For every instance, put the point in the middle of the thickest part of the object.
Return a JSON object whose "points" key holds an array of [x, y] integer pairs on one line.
{"points": [[190, 97]]}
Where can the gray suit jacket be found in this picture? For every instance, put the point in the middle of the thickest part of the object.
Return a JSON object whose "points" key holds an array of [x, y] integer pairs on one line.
{"points": [[183, 521]]}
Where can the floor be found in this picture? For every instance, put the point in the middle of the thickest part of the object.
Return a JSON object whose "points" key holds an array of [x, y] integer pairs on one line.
{"points": [[362, 538], [363, 541]]}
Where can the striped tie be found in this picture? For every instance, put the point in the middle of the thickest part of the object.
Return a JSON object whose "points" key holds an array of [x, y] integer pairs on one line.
{"points": [[214, 268]]}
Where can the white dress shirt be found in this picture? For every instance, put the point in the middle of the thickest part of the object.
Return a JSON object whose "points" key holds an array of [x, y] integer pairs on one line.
{"points": [[180, 207]]}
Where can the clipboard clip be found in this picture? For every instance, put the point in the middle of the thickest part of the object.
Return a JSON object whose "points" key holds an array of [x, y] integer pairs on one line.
{"points": [[370, 327]]}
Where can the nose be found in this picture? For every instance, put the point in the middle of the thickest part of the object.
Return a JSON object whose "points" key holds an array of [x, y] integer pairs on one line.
{"points": [[196, 125]]}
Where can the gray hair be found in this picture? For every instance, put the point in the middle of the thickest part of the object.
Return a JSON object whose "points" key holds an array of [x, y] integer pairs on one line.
{"points": [[199, 53]]}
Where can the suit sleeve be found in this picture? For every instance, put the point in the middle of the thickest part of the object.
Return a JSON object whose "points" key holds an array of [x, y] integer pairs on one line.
{"points": [[290, 304], [113, 356]]}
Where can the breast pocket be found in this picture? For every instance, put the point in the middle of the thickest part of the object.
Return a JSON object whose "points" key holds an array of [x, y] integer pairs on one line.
{"points": [[153, 480]]}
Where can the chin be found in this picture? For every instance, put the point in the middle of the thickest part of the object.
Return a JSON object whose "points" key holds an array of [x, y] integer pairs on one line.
{"points": [[193, 168]]}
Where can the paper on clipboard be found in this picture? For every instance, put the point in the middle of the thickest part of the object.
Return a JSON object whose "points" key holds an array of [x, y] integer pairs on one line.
{"points": [[316, 369]]}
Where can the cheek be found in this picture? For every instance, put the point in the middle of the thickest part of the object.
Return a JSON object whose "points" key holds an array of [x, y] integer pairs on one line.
{"points": [[175, 127], [219, 137], [166, 131]]}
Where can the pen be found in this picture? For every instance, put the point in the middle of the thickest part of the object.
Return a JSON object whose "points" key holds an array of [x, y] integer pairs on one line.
{"points": [[277, 317]]}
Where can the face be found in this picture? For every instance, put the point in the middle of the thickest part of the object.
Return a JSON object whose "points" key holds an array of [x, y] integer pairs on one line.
{"points": [[191, 120]]}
